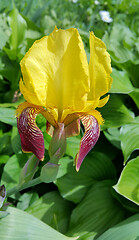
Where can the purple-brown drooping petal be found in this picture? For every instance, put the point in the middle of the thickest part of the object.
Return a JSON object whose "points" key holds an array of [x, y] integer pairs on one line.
{"points": [[89, 139], [31, 136]]}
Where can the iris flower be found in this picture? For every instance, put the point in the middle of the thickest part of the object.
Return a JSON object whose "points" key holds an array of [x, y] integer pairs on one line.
{"points": [[58, 83]]}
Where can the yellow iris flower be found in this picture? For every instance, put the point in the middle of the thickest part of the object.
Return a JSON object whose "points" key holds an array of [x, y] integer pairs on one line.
{"points": [[59, 83]]}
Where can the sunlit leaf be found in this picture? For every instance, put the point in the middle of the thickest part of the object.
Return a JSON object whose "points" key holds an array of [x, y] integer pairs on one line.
{"points": [[115, 113], [7, 115], [121, 82], [18, 26], [127, 229], [130, 138], [53, 210], [21, 224], [128, 183]]}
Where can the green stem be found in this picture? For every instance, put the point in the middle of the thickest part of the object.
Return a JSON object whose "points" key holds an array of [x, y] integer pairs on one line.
{"points": [[24, 186]]}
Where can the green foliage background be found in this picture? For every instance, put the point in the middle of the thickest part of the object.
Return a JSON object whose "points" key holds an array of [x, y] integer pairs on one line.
{"points": [[101, 200]]}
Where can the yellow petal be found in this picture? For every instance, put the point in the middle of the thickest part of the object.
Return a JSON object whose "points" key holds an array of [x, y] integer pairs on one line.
{"points": [[55, 71], [103, 101], [100, 68], [97, 115]]}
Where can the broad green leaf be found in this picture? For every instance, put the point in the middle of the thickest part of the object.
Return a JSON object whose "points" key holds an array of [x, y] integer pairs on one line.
{"points": [[3, 214], [126, 230], [52, 209], [115, 113], [96, 212], [11, 172], [4, 143], [25, 200], [120, 43], [4, 29], [128, 183], [15, 140], [121, 82], [113, 135], [21, 225], [18, 26], [63, 166], [73, 186], [135, 96], [4, 158], [73, 144], [129, 138], [7, 115], [4, 38]]}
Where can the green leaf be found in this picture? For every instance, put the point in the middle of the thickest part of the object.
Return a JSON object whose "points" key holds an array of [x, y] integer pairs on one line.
{"points": [[128, 183], [4, 158], [7, 115], [121, 82], [18, 26], [129, 138], [25, 200], [113, 135], [3, 214], [96, 212], [11, 172], [52, 209], [73, 186], [120, 43], [4, 38], [15, 140], [115, 113], [4, 142], [73, 144], [19, 224], [135, 96], [126, 230]]}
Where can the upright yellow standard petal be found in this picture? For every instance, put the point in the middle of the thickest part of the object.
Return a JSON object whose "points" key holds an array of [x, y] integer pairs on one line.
{"points": [[100, 68], [55, 72]]}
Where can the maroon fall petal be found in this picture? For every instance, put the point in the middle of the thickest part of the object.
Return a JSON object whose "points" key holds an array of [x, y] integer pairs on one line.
{"points": [[89, 139], [31, 136]]}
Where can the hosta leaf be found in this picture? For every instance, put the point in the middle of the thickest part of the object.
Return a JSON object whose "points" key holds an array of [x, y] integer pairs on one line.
{"points": [[53, 210], [130, 138], [113, 135], [21, 225], [11, 172], [25, 200], [128, 184], [121, 82], [18, 26], [73, 186], [15, 140], [115, 113], [73, 144], [135, 96], [96, 212], [127, 229], [7, 115]]}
